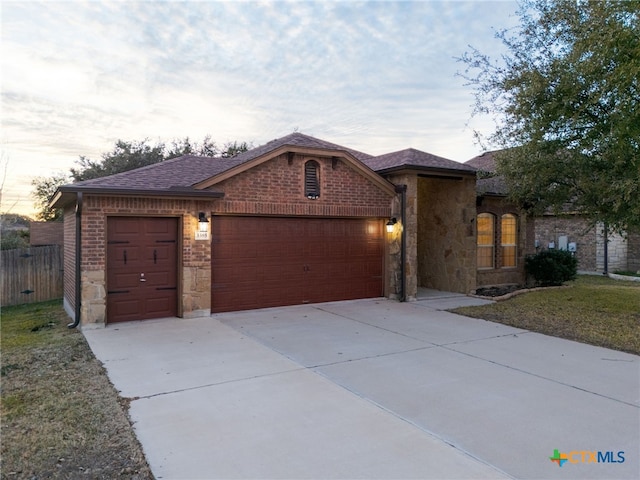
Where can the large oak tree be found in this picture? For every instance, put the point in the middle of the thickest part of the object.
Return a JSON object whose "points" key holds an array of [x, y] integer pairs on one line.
{"points": [[565, 98]]}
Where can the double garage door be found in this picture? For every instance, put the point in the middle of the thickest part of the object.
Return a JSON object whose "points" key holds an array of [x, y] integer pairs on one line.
{"points": [[261, 262], [256, 262]]}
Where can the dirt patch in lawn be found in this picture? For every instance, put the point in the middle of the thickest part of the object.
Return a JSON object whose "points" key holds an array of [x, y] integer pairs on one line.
{"points": [[61, 416]]}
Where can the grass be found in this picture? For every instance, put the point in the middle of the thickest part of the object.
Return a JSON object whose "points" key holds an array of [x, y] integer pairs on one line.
{"points": [[627, 273], [61, 417], [592, 309]]}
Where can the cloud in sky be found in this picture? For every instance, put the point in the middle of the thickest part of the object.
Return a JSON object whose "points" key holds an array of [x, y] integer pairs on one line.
{"points": [[375, 76]]}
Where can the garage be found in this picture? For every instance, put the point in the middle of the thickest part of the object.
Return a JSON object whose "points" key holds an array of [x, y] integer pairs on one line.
{"points": [[259, 262], [141, 268]]}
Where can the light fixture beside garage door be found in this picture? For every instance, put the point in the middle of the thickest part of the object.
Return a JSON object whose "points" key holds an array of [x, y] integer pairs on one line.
{"points": [[203, 227], [390, 224]]}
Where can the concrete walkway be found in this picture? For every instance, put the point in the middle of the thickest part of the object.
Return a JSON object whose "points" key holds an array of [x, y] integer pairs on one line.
{"points": [[371, 389]]}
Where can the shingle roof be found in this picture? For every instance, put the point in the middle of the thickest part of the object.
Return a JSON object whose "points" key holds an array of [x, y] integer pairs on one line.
{"points": [[416, 159], [492, 185], [182, 171], [189, 170], [484, 162], [299, 140]]}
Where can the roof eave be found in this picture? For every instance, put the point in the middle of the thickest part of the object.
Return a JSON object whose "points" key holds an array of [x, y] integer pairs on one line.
{"points": [[67, 194], [420, 169]]}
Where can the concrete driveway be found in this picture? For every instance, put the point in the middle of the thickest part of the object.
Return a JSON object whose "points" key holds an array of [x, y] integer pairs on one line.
{"points": [[371, 389]]}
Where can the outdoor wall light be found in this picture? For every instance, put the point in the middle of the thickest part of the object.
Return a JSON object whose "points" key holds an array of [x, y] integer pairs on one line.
{"points": [[390, 224], [203, 223]]}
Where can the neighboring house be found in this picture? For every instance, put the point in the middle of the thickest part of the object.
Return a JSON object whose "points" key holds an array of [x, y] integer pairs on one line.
{"points": [[46, 233], [574, 232], [505, 234], [297, 220], [569, 231]]}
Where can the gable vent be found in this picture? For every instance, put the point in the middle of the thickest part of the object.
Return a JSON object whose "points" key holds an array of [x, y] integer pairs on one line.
{"points": [[312, 180]]}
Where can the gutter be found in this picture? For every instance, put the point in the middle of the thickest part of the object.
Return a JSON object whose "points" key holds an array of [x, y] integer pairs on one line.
{"points": [[78, 270], [402, 190]]}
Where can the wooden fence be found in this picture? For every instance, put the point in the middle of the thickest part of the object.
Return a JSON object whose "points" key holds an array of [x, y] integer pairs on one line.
{"points": [[29, 275]]}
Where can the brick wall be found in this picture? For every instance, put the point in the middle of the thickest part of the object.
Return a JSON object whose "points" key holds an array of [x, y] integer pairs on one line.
{"points": [[497, 206], [276, 187], [195, 258], [550, 228], [273, 188], [69, 232]]}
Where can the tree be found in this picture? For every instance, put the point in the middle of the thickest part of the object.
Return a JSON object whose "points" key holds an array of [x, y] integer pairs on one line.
{"points": [[44, 189], [565, 99], [126, 155], [14, 231], [231, 149], [207, 148]]}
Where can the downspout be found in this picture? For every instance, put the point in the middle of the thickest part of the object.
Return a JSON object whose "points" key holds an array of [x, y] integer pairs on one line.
{"points": [[78, 271], [402, 190], [606, 248]]}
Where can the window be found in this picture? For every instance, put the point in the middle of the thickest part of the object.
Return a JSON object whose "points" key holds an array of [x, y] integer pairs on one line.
{"points": [[509, 229], [311, 180], [485, 240]]}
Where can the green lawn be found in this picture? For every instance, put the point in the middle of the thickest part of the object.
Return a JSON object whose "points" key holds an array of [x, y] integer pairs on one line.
{"points": [[592, 309], [61, 417]]}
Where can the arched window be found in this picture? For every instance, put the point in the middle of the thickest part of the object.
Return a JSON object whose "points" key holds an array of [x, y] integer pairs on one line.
{"points": [[486, 240], [509, 240], [312, 180]]}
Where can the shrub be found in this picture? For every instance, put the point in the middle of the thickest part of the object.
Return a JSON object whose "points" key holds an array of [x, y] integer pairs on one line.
{"points": [[551, 267]]}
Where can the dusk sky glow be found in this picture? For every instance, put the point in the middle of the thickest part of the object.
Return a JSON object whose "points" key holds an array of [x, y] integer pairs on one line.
{"points": [[373, 76]]}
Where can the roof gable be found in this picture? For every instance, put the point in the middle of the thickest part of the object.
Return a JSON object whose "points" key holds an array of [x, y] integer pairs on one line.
{"points": [[302, 144]]}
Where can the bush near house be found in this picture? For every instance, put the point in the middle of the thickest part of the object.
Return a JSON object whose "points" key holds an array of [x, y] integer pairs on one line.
{"points": [[551, 267]]}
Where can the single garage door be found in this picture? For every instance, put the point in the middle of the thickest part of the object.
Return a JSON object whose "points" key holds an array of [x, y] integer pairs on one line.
{"points": [[141, 268], [259, 262]]}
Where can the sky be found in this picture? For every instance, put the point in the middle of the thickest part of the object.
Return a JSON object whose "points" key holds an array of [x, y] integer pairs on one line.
{"points": [[373, 76]]}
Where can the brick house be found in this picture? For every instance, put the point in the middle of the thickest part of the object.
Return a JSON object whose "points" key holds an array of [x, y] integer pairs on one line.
{"points": [[297, 220], [46, 233], [569, 231], [505, 235]]}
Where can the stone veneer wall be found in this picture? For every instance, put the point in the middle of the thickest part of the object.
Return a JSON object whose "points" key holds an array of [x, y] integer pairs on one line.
{"points": [[616, 251], [410, 229], [446, 249]]}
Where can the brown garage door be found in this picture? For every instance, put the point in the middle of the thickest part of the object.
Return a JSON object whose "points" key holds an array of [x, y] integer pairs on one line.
{"points": [[262, 262], [141, 268]]}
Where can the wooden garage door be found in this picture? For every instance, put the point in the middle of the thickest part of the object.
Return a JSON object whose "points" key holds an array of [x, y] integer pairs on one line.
{"points": [[141, 268], [262, 262]]}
